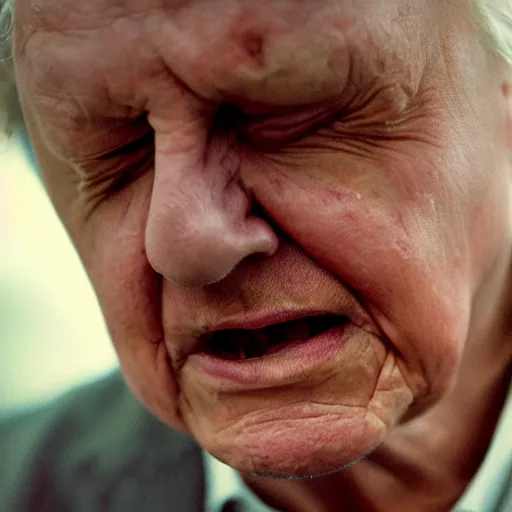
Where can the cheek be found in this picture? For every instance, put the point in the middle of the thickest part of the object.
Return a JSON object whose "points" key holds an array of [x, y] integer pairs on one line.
{"points": [[129, 292], [399, 258], [489, 222]]}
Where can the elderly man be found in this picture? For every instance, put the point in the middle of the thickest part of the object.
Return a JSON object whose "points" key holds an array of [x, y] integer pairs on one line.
{"points": [[296, 217]]}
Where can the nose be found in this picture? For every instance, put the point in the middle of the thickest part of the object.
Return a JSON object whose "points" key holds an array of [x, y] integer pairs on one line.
{"points": [[201, 222]]}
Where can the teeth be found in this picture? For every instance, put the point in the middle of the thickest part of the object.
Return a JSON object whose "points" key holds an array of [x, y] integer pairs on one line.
{"points": [[241, 354], [257, 344], [275, 335], [261, 338], [241, 344], [297, 331], [231, 347]]}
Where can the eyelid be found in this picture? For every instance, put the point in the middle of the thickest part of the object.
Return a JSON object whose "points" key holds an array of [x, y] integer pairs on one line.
{"points": [[102, 141], [274, 131]]}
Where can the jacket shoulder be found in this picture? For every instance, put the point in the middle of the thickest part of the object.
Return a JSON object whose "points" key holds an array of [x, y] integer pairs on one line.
{"points": [[96, 448]]}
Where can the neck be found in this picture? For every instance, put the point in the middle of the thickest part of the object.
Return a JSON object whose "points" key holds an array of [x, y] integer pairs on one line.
{"points": [[427, 462]]}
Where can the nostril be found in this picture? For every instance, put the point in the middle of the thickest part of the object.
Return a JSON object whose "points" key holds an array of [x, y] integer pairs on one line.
{"points": [[210, 253], [227, 118], [261, 237], [259, 212]]}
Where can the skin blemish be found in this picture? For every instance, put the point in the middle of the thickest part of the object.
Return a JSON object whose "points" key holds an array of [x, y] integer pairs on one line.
{"points": [[254, 45]]}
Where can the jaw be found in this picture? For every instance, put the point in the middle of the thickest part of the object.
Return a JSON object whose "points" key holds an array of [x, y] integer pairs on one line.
{"points": [[318, 424]]}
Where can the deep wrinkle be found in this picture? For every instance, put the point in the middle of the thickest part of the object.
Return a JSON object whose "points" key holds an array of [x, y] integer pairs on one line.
{"points": [[381, 208]]}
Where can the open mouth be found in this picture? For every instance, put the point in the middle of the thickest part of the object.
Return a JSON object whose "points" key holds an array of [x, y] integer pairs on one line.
{"points": [[242, 344]]}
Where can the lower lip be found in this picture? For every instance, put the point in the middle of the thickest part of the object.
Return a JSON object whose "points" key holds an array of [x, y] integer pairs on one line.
{"points": [[291, 362]]}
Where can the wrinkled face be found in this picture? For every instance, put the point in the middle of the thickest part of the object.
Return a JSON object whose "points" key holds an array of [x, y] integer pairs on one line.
{"points": [[288, 210]]}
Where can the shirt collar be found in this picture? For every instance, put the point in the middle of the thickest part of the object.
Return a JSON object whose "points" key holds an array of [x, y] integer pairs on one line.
{"points": [[224, 484], [482, 495], [488, 485]]}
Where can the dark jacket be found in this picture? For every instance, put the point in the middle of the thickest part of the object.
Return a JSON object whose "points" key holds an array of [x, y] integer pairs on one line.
{"points": [[97, 449]]}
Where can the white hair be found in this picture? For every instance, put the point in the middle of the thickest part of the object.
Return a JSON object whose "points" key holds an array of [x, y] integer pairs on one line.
{"points": [[493, 16]]}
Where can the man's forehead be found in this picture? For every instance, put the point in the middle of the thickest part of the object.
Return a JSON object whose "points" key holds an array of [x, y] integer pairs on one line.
{"points": [[263, 42], [93, 13]]}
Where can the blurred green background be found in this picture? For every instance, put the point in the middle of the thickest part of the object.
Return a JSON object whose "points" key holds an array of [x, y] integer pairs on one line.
{"points": [[52, 335]]}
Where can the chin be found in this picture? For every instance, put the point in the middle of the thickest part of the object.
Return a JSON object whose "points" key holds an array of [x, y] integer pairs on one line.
{"points": [[298, 448]]}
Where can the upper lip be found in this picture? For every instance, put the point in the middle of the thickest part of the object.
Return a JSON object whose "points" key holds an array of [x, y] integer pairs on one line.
{"points": [[260, 320]]}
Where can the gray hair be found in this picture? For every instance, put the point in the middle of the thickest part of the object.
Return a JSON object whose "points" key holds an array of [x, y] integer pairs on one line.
{"points": [[493, 16], [10, 112]]}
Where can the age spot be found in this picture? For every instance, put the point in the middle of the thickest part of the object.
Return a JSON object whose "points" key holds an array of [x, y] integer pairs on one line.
{"points": [[254, 45]]}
